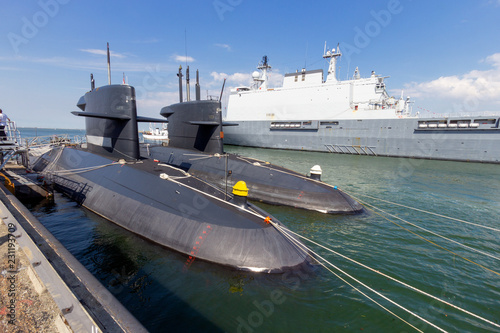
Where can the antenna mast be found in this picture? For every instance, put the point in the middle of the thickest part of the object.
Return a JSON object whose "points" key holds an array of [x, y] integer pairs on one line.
{"points": [[197, 86], [332, 68], [180, 83], [188, 97], [109, 67]]}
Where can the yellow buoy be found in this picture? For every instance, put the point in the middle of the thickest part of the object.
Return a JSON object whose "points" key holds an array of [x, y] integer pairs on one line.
{"points": [[240, 189]]}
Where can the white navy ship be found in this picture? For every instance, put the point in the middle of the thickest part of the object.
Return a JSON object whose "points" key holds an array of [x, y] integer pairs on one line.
{"points": [[355, 116]]}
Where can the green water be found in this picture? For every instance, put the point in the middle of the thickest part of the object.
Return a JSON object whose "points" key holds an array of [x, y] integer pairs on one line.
{"points": [[152, 283]]}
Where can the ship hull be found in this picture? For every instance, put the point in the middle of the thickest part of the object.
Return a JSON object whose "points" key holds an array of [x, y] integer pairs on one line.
{"points": [[266, 182], [136, 197], [380, 137]]}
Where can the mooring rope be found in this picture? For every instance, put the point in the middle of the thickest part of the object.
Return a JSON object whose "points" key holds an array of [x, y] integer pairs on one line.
{"points": [[305, 248], [431, 213], [79, 170], [50, 168], [285, 230], [429, 231], [428, 240]]}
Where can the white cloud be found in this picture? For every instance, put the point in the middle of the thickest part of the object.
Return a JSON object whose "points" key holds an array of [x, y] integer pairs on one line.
{"points": [[94, 64], [494, 59], [14, 69], [152, 102], [183, 59], [478, 89], [151, 40], [275, 79], [224, 46], [103, 52], [238, 79]]}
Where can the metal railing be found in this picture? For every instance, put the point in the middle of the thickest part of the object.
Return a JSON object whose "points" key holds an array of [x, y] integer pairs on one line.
{"points": [[353, 150], [12, 134]]}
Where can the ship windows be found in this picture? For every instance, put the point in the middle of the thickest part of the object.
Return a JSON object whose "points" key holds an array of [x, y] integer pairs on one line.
{"points": [[294, 125], [453, 124], [486, 121], [461, 123], [324, 123], [380, 87], [285, 125]]}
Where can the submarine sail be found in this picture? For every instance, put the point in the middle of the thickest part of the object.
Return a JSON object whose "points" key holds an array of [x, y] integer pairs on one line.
{"points": [[158, 201]]}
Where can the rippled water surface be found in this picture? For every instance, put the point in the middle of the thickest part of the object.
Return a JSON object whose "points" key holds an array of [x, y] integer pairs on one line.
{"points": [[150, 281]]}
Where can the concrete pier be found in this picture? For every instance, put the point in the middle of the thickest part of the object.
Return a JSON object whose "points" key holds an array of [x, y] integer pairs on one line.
{"points": [[43, 287]]}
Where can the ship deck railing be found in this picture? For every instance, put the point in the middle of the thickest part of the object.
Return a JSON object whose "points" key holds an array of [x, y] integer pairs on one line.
{"points": [[352, 150], [10, 144]]}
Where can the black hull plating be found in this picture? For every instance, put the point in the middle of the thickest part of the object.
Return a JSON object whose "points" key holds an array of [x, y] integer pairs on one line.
{"points": [[266, 182], [170, 212]]}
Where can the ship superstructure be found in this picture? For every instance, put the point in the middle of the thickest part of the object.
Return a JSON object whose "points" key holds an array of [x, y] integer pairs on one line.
{"points": [[355, 116]]}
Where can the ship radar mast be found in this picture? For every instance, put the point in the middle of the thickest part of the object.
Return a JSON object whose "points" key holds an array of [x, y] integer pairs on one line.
{"points": [[263, 67], [332, 69]]}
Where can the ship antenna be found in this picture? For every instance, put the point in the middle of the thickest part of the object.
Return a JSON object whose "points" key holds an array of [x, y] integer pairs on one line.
{"points": [[109, 67], [197, 86], [180, 83], [222, 90], [188, 89], [185, 46], [305, 60]]}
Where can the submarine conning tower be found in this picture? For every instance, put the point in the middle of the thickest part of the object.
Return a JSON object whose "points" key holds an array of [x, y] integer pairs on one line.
{"points": [[195, 125], [111, 121]]}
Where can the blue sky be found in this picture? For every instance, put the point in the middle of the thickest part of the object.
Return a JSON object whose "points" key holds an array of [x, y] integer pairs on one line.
{"points": [[444, 54]]}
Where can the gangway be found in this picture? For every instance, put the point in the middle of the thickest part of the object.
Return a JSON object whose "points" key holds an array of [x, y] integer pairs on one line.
{"points": [[10, 144]]}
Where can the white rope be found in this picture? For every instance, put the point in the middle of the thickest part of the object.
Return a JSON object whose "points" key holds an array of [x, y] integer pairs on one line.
{"points": [[281, 229], [298, 175], [175, 168], [250, 211], [432, 232], [80, 170], [392, 278], [431, 213], [49, 168]]}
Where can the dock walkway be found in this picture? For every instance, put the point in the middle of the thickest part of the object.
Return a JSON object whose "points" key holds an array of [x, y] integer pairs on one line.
{"points": [[46, 289]]}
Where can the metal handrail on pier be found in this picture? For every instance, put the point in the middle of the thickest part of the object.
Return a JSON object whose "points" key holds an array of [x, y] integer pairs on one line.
{"points": [[10, 144], [352, 150]]}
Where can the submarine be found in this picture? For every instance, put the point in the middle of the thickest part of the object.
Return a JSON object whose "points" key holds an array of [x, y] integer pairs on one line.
{"points": [[196, 145], [159, 201]]}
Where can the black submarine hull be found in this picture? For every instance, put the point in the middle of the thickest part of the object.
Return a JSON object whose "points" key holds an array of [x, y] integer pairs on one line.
{"points": [[196, 145], [267, 183], [157, 201], [198, 223]]}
